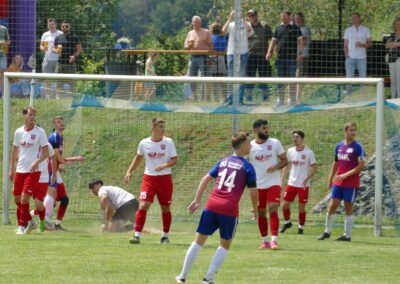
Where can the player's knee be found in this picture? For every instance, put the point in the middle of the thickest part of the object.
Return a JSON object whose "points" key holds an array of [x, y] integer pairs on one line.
{"points": [[165, 209], [64, 201], [262, 212]]}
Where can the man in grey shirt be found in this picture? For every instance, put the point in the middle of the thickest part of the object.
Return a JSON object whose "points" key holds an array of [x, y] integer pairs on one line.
{"points": [[118, 205]]}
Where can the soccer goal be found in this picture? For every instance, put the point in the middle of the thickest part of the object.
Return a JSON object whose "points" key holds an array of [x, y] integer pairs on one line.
{"points": [[106, 128]]}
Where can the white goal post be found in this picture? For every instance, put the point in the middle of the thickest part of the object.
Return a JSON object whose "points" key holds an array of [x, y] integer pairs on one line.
{"points": [[378, 82]]}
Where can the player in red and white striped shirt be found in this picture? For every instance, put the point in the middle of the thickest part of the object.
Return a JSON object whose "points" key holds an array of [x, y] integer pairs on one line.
{"points": [[160, 155], [303, 166], [29, 141]]}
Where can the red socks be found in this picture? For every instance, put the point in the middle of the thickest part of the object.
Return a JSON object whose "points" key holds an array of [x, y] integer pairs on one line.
{"points": [[18, 213], [263, 225], [140, 220], [166, 220], [41, 214], [274, 223], [302, 218], [25, 216], [61, 212], [286, 214]]}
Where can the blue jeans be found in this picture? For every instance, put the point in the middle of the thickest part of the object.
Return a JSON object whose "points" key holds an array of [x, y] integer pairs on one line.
{"points": [[351, 65], [196, 64], [242, 73], [286, 68]]}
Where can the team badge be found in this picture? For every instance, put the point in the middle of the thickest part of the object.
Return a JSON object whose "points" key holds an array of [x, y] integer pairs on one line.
{"points": [[163, 146], [303, 157], [33, 136], [269, 147]]}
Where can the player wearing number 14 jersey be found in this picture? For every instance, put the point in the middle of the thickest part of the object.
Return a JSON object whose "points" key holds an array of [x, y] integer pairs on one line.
{"points": [[160, 155], [221, 211]]}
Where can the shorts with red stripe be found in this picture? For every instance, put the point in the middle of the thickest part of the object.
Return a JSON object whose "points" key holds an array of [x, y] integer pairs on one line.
{"points": [[26, 183], [157, 185], [269, 195], [41, 191], [61, 192], [292, 191]]}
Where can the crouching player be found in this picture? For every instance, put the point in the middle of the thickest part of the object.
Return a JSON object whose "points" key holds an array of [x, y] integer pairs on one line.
{"points": [[118, 205], [303, 166], [233, 174]]}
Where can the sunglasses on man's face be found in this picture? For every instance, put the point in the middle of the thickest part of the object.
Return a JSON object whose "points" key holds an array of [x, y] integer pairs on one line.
{"points": [[65, 26]]}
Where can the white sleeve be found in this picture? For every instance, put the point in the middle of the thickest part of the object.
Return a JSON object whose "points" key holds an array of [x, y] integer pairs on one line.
{"points": [[312, 158], [140, 150], [172, 150], [346, 34], [16, 139], [279, 148], [368, 33], [289, 156], [102, 191], [43, 37], [43, 138]]}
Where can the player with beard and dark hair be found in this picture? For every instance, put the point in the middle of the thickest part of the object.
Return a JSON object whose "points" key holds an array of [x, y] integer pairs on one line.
{"points": [[268, 158]]}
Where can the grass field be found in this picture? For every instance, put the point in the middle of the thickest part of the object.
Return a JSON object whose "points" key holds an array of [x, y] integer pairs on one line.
{"points": [[84, 255]]}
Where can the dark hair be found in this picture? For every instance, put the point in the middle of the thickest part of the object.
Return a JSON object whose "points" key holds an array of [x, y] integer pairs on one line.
{"points": [[51, 20], [156, 121], [26, 109], [299, 132], [215, 28], [66, 22], [357, 14], [94, 182], [238, 139], [287, 12], [349, 124], [259, 122], [300, 15]]}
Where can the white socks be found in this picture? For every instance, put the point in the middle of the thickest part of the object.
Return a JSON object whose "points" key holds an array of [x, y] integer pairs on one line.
{"points": [[348, 225], [266, 239], [49, 206], [274, 238], [329, 222], [190, 257], [216, 262]]}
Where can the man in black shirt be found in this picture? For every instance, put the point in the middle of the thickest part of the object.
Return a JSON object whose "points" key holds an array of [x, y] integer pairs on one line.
{"points": [[69, 47], [289, 42], [258, 45]]}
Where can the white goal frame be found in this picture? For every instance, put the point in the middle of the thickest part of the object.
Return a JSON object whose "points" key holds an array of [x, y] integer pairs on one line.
{"points": [[379, 125]]}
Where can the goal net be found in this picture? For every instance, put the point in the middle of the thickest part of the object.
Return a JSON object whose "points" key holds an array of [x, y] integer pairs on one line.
{"points": [[106, 130]]}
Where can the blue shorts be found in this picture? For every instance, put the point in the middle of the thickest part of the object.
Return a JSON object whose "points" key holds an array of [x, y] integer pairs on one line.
{"points": [[211, 221], [344, 193], [52, 185]]}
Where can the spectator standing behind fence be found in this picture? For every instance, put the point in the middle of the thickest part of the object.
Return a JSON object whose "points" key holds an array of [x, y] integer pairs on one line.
{"points": [[19, 88], [50, 59], [289, 42], [393, 59], [4, 44], [243, 48], [302, 66], [197, 39], [150, 87], [258, 46], [216, 66], [357, 39], [69, 47]]}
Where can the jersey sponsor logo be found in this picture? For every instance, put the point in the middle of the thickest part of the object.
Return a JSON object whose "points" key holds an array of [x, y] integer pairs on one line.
{"points": [[269, 147], [26, 144], [230, 164], [298, 163], [261, 158], [350, 150], [162, 146], [343, 157], [155, 155]]}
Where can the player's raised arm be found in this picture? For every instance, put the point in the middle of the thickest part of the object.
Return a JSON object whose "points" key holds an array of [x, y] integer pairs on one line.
{"points": [[135, 163], [194, 206]]}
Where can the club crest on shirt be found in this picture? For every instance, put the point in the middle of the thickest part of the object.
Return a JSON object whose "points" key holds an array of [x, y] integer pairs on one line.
{"points": [[303, 157], [269, 147], [33, 136], [162, 146]]}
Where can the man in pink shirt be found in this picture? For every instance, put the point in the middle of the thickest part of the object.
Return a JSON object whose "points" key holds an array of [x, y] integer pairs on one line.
{"points": [[198, 39]]}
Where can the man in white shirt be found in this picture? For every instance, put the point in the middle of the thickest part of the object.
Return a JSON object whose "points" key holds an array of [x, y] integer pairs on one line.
{"points": [[117, 204], [268, 157], [242, 39], [50, 59], [302, 166], [160, 155], [29, 149], [357, 39]]}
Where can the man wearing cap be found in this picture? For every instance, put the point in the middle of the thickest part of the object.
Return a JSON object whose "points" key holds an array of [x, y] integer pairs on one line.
{"points": [[258, 47], [118, 206]]}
